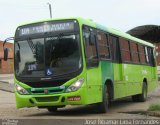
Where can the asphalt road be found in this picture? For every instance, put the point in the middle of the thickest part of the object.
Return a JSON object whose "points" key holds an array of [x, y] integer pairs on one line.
{"points": [[121, 109]]}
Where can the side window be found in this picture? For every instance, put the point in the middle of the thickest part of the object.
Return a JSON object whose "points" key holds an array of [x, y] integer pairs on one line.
{"points": [[134, 52], [90, 47], [125, 50], [150, 56], [103, 45], [146, 55], [142, 54], [114, 44]]}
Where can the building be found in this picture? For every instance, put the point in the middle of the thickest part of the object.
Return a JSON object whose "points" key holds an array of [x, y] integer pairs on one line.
{"points": [[150, 33], [6, 67]]}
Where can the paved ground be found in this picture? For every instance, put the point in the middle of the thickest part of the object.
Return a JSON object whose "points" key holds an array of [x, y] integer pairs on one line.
{"points": [[8, 110], [8, 78], [70, 114]]}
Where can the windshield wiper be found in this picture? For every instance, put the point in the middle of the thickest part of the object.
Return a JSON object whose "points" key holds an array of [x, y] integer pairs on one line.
{"points": [[53, 59], [31, 45], [18, 53]]}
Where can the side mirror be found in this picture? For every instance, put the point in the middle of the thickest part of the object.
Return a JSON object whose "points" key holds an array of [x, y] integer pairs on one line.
{"points": [[5, 54], [6, 49]]}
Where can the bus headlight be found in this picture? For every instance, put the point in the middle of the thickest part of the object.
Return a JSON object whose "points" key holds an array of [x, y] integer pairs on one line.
{"points": [[75, 86], [21, 90]]}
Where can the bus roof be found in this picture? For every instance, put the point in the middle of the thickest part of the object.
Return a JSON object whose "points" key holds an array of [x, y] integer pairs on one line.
{"points": [[125, 35], [91, 23], [115, 32]]}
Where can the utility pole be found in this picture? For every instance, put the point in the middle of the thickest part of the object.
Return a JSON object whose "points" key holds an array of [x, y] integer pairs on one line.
{"points": [[50, 9]]}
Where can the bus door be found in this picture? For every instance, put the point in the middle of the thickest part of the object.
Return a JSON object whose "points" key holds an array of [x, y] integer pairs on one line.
{"points": [[151, 62], [119, 85], [94, 90]]}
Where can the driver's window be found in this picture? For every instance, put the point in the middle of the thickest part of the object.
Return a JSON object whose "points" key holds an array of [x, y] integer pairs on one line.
{"points": [[90, 47]]}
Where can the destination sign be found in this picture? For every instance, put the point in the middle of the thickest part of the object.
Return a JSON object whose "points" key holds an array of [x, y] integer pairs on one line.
{"points": [[45, 27]]}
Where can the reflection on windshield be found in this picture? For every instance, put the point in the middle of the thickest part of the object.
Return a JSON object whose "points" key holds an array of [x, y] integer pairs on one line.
{"points": [[29, 61], [47, 57], [62, 54]]}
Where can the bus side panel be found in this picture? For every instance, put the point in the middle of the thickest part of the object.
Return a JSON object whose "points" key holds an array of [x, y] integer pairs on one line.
{"points": [[106, 71], [134, 78], [94, 86], [152, 85], [154, 79], [119, 83]]}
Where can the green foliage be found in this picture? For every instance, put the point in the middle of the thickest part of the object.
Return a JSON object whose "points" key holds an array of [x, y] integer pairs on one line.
{"points": [[154, 107]]}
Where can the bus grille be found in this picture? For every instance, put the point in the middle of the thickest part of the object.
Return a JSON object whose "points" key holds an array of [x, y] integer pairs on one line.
{"points": [[43, 84], [47, 99], [50, 91]]}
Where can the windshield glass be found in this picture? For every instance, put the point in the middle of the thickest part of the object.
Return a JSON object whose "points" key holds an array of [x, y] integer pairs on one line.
{"points": [[49, 56]]}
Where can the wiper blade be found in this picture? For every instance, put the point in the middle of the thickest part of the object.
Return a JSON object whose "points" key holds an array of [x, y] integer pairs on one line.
{"points": [[52, 45], [60, 36], [31, 45], [18, 45]]}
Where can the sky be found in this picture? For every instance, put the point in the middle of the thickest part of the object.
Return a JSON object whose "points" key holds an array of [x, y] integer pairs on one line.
{"points": [[119, 14]]}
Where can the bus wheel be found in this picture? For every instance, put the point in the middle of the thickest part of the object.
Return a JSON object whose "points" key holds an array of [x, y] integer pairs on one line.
{"points": [[141, 97], [52, 109], [103, 106]]}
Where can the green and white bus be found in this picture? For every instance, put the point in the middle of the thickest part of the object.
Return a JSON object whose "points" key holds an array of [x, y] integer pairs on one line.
{"points": [[75, 61]]}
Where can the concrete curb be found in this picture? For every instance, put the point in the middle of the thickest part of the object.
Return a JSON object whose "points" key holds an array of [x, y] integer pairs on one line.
{"points": [[153, 113], [4, 82], [7, 90], [6, 86]]}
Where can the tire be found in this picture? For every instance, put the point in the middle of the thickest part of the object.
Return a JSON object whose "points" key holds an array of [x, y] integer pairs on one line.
{"points": [[52, 109], [141, 97], [104, 105]]}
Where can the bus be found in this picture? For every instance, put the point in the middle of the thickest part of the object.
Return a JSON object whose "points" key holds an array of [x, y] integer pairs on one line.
{"points": [[75, 61]]}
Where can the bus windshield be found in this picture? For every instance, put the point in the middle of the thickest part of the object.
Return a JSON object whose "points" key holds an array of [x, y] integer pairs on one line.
{"points": [[49, 56]]}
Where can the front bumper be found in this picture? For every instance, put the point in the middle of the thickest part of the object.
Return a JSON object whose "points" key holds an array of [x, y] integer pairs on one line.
{"points": [[52, 99]]}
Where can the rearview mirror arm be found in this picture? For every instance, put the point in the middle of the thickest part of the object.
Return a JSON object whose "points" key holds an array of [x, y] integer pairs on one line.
{"points": [[10, 38]]}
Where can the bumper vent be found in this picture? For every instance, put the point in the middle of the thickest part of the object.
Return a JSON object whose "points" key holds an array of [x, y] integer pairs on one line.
{"points": [[47, 99]]}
